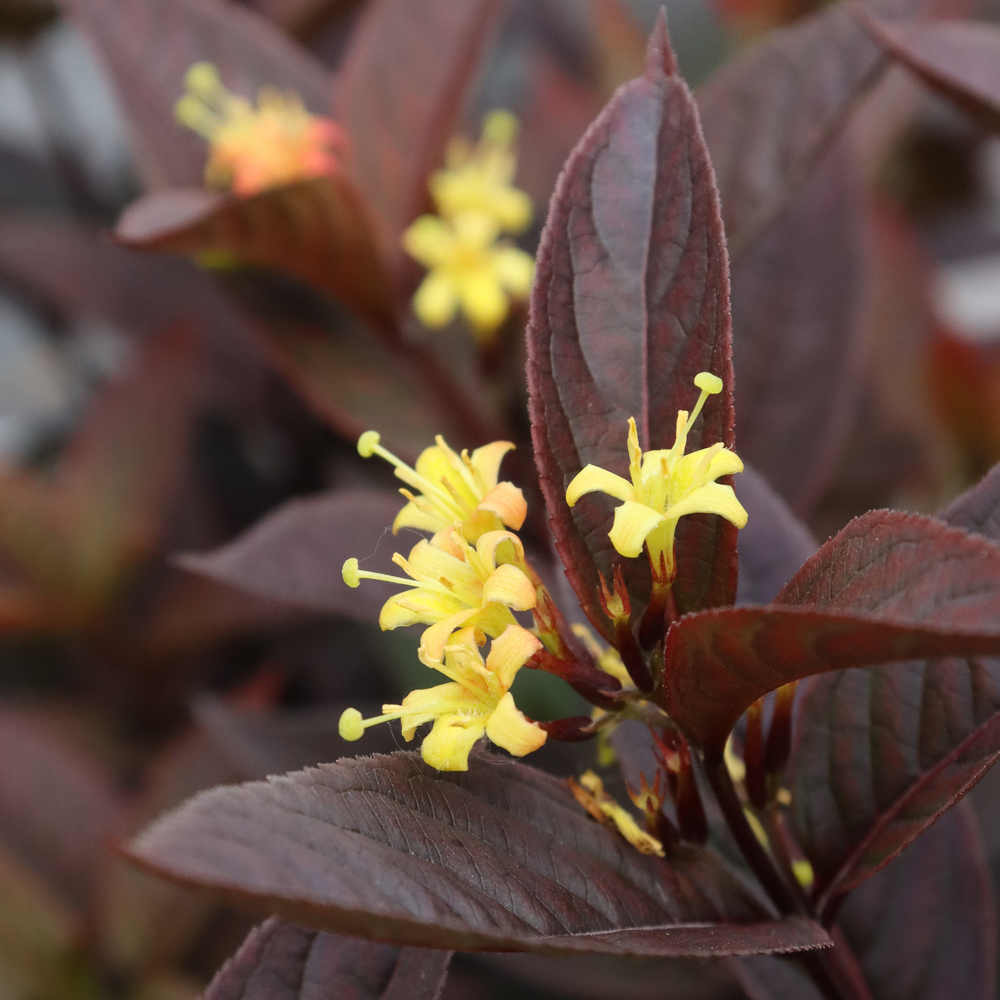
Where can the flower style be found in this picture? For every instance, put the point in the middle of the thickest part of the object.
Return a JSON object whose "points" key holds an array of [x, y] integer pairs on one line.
{"points": [[666, 484], [476, 701], [468, 270], [454, 492], [453, 585], [253, 149], [481, 178]]}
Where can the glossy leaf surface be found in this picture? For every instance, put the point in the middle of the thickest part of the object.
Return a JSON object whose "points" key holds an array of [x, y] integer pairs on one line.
{"points": [[880, 753], [500, 857], [889, 587], [922, 929], [281, 961], [630, 302], [295, 554], [147, 47], [318, 231]]}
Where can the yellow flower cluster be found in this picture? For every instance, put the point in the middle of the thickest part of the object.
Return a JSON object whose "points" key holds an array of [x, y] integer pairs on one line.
{"points": [[464, 583], [255, 148], [469, 267]]}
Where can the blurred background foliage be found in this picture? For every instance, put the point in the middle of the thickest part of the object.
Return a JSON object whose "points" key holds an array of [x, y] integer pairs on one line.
{"points": [[130, 431]]}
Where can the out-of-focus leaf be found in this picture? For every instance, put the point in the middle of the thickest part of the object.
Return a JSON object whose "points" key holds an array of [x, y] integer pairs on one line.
{"points": [[797, 311], [922, 929], [630, 302], [402, 84], [193, 612], [889, 587], [295, 554], [77, 536], [56, 808], [960, 59], [280, 961], [772, 546], [147, 46], [769, 113], [498, 857], [316, 230], [880, 753]]}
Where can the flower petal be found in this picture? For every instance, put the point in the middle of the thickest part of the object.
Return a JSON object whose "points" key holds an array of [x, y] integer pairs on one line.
{"points": [[435, 638], [417, 606], [430, 241], [426, 704], [510, 587], [488, 548], [486, 461], [411, 516], [515, 270], [711, 499], [633, 522], [436, 300], [593, 478], [510, 652], [508, 728], [448, 744], [508, 503], [483, 300]]}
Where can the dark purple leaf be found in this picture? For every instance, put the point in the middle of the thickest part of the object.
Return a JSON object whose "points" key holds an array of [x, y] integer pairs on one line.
{"points": [[880, 753], [770, 113], [772, 546], [630, 302], [500, 857], [295, 553], [797, 326], [922, 929], [147, 46], [318, 231], [401, 87], [280, 961], [959, 59], [889, 587]]}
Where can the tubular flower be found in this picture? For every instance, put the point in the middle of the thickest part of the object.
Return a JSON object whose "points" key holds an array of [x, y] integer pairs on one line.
{"points": [[468, 270], [665, 485], [455, 586], [589, 792], [453, 491], [481, 178], [254, 148], [476, 701]]}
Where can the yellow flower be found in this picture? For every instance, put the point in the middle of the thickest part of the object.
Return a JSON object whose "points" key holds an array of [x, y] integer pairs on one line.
{"points": [[468, 270], [252, 149], [480, 178], [666, 485], [454, 491], [476, 701], [453, 585]]}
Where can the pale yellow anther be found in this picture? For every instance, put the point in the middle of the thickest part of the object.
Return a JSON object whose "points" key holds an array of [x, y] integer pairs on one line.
{"points": [[367, 443], [350, 573], [351, 726], [708, 382]]}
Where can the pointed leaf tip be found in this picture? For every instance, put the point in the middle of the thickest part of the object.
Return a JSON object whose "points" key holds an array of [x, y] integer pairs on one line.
{"points": [[660, 55]]}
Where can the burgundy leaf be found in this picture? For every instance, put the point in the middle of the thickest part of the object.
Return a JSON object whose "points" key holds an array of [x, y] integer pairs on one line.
{"points": [[769, 113], [797, 326], [959, 59], [280, 961], [318, 231], [772, 546], [147, 46], [889, 587], [880, 753], [403, 82], [295, 553], [630, 302], [922, 929], [500, 857]]}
